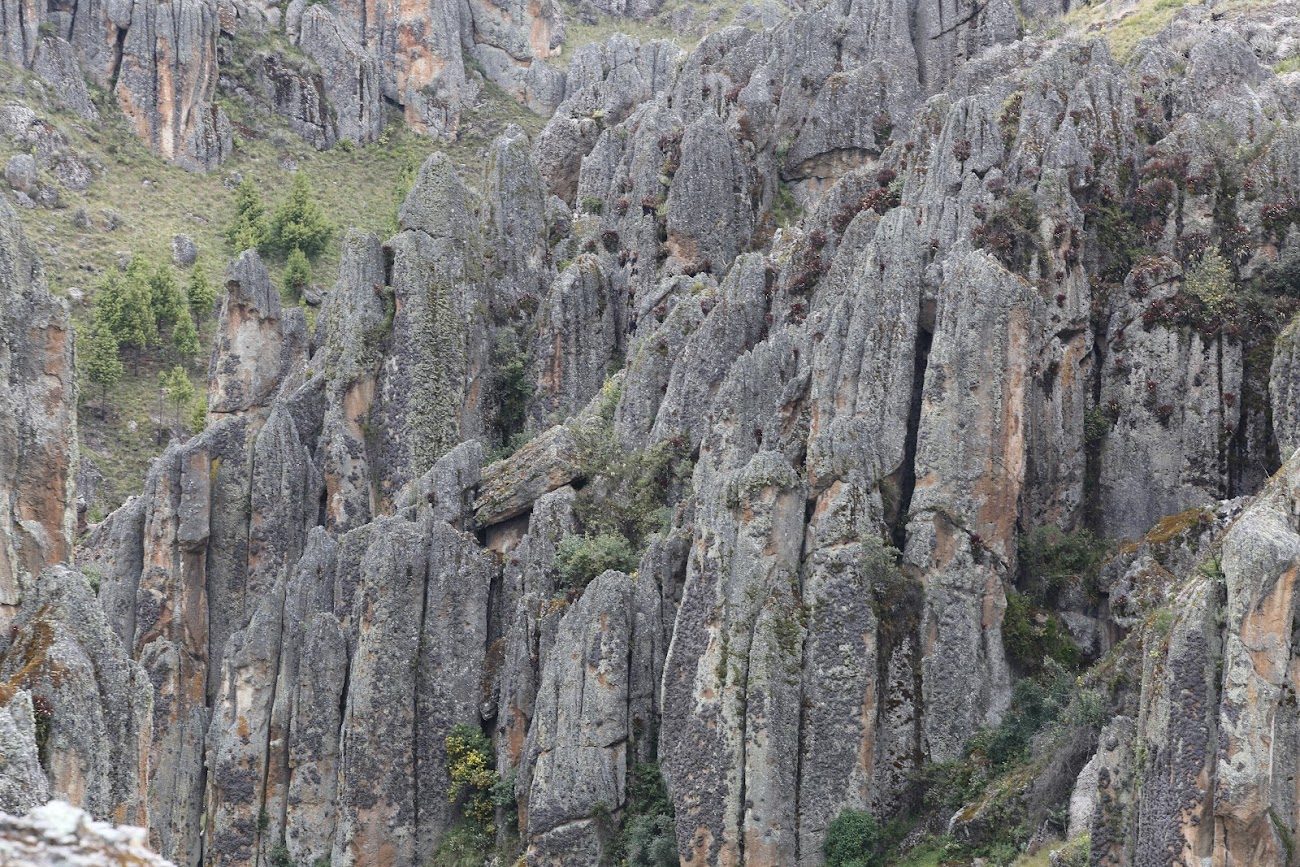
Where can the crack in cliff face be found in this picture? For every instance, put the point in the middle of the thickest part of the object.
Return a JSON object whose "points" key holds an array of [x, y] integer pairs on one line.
{"points": [[904, 477], [119, 50], [420, 651], [267, 757], [913, 27]]}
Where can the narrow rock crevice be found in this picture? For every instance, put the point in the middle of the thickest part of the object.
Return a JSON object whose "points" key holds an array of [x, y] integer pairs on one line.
{"points": [[285, 626], [415, 702], [119, 50], [905, 476]]}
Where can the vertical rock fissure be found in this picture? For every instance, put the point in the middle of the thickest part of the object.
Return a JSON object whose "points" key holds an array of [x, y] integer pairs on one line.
{"points": [[743, 741], [907, 472], [916, 44], [804, 556], [119, 49], [1222, 457], [266, 747], [1092, 451], [415, 704], [200, 845]]}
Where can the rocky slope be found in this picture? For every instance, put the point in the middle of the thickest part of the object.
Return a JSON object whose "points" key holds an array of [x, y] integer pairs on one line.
{"points": [[1032, 287]]}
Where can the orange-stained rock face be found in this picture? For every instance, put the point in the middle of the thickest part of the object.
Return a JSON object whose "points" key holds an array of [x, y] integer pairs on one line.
{"points": [[38, 398]]}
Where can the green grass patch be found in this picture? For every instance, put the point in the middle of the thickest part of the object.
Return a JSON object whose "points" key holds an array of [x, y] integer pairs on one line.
{"points": [[1123, 24]]}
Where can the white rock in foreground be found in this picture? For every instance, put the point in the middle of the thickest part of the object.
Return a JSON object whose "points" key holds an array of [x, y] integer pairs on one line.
{"points": [[60, 834]]}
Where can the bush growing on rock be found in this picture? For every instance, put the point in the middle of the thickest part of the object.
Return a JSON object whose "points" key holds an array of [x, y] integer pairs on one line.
{"points": [[513, 387], [648, 837], [1209, 281], [581, 559], [1032, 635], [853, 840], [475, 789], [469, 765], [628, 491], [1052, 559]]}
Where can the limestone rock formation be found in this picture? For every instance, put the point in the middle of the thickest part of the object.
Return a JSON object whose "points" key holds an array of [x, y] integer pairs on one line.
{"points": [[886, 410], [59, 833], [38, 443]]}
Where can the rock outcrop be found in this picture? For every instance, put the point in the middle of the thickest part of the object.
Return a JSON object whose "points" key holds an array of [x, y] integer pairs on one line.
{"points": [[38, 440], [697, 469], [59, 833]]}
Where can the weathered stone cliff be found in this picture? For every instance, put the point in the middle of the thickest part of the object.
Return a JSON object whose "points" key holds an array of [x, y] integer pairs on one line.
{"points": [[761, 537]]}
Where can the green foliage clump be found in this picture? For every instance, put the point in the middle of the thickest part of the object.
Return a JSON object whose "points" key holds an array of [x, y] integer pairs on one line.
{"points": [[853, 840], [1052, 560], [1209, 281], [896, 597], [592, 204], [1035, 702], [627, 491], [785, 210], [43, 710], [473, 779], [1010, 232], [279, 856], [297, 274], [1118, 238], [299, 223], [513, 387], [464, 845], [140, 307], [477, 789], [1075, 853], [198, 419], [1032, 636], [248, 229], [1095, 426], [648, 837], [579, 560]]}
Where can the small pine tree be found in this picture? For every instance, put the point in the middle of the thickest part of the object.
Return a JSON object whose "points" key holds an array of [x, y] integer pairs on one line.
{"points": [[174, 385], [299, 222], [198, 413], [185, 339], [166, 299], [103, 365], [202, 294], [122, 304], [297, 273], [247, 229]]}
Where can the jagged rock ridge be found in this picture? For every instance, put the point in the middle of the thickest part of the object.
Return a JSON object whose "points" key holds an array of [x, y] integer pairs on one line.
{"points": [[993, 316]]}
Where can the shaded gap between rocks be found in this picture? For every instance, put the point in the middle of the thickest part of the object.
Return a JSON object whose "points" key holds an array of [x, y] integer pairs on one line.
{"points": [[906, 481], [119, 49]]}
